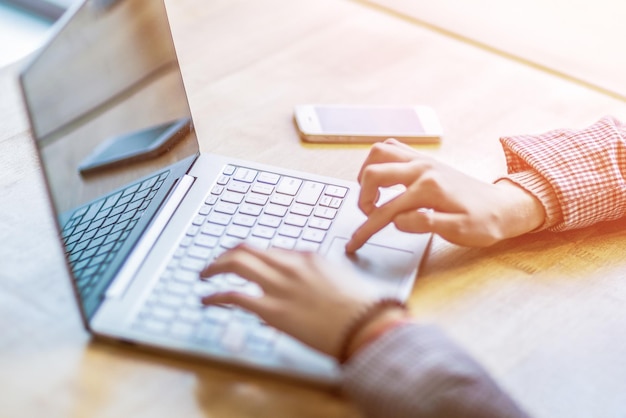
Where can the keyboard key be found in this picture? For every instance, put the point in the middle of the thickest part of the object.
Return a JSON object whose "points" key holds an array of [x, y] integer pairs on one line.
{"points": [[81, 246], [246, 175], [256, 199], [244, 220], [218, 315], [238, 231], [178, 288], [269, 178], [229, 242], [198, 220], [120, 227], [112, 219], [269, 220], [207, 240], [186, 241], [81, 227], [286, 243], [193, 230], [135, 205], [336, 191], [258, 242], [141, 195], [96, 242], [310, 193], [335, 202], [319, 223], [263, 188], [315, 235], [93, 210], [172, 301], [307, 246], [325, 201], [224, 207], [105, 248], [289, 186], [164, 175], [95, 224], [124, 200], [219, 218], [248, 209], [116, 211], [290, 231], [205, 209], [238, 186], [213, 229], [199, 252], [233, 197], [80, 212], [229, 170], [295, 220], [276, 210], [211, 199], [326, 213], [185, 276], [129, 214], [264, 232], [300, 209], [223, 180], [192, 264], [73, 238], [281, 199], [147, 184]]}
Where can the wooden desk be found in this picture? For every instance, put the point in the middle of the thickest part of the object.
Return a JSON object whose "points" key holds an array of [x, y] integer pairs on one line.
{"points": [[543, 313]]}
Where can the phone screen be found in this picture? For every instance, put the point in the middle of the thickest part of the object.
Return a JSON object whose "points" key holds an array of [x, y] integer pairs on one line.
{"points": [[372, 121]]}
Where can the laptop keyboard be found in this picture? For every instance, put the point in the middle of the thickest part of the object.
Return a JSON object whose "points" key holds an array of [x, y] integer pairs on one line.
{"points": [[95, 233], [262, 208]]}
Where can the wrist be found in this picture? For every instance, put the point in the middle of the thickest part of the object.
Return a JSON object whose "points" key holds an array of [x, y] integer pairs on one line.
{"points": [[521, 211], [373, 321]]}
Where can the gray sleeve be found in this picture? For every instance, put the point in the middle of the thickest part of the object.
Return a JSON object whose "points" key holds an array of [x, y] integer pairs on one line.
{"points": [[416, 371]]}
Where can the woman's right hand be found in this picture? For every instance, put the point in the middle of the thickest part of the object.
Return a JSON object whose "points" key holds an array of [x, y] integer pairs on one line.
{"points": [[440, 199]]}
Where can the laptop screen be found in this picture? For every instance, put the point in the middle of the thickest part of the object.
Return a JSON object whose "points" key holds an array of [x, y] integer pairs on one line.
{"points": [[110, 117]]}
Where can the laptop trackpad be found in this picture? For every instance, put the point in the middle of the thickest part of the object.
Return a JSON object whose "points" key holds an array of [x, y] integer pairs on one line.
{"points": [[390, 269]]}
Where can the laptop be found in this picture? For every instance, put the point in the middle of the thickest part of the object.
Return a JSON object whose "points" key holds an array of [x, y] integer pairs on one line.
{"points": [[140, 211]]}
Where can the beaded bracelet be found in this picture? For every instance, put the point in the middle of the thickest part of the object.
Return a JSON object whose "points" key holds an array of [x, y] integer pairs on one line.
{"points": [[368, 313]]}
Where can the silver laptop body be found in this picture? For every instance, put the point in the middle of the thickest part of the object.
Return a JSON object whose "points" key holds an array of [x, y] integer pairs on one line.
{"points": [[141, 211]]}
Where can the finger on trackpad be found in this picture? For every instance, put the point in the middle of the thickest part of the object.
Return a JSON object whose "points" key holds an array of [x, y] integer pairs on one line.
{"points": [[389, 266]]}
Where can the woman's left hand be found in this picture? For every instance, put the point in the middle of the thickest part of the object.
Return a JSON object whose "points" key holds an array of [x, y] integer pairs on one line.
{"points": [[303, 295]]}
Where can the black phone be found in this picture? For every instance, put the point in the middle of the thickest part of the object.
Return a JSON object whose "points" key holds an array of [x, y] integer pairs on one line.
{"points": [[136, 146]]}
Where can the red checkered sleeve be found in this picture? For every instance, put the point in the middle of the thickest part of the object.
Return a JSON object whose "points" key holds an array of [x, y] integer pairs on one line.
{"points": [[578, 175]]}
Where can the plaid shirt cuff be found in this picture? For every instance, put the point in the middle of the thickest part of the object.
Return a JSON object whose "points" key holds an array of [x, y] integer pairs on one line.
{"points": [[584, 168]]}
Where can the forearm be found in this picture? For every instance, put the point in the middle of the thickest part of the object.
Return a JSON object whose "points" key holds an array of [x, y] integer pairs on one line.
{"points": [[416, 371]]}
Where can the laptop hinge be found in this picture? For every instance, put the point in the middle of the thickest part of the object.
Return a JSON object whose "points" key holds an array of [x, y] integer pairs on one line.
{"points": [[130, 268]]}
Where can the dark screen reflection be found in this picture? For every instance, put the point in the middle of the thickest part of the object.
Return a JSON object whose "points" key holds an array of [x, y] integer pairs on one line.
{"points": [[99, 95]]}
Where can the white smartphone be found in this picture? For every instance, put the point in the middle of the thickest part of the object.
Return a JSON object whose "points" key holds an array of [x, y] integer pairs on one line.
{"points": [[367, 124]]}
